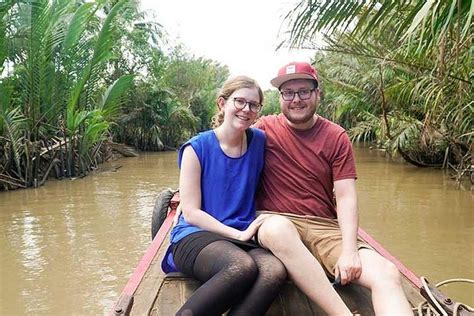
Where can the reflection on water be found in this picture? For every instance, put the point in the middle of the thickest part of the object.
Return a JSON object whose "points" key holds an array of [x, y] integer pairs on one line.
{"points": [[420, 216], [69, 247]]}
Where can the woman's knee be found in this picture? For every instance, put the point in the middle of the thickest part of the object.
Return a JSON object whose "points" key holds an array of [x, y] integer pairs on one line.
{"points": [[274, 271], [244, 270], [271, 271]]}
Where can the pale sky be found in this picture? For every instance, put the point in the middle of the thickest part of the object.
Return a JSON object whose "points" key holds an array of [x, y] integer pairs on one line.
{"points": [[242, 34]]}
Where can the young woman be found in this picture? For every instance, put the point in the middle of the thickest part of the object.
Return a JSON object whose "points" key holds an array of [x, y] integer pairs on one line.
{"points": [[212, 240]]}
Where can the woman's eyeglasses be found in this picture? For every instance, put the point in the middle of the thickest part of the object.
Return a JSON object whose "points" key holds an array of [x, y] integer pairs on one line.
{"points": [[241, 103]]}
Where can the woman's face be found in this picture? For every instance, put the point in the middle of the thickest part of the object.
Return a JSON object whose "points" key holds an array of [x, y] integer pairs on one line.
{"points": [[237, 112]]}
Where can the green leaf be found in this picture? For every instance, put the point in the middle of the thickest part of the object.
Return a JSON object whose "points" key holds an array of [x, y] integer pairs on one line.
{"points": [[420, 16], [111, 99], [78, 25]]}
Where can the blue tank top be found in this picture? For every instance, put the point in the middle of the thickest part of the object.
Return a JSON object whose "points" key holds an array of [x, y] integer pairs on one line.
{"points": [[228, 185]]}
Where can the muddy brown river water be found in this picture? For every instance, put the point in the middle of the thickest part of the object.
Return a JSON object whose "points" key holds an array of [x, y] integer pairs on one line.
{"points": [[69, 247]]}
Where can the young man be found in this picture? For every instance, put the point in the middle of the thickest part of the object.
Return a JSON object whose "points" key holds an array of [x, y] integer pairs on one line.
{"points": [[309, 184]]}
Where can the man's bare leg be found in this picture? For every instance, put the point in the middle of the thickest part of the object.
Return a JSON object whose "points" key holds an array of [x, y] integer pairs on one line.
{"points": [[280, 236], [383, 279]]}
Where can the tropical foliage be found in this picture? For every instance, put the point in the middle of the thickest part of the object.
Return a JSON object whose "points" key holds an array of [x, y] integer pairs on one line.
{"points": [[75, 75], [172, 102], [54, 56], [396, 72], [271, 103]]}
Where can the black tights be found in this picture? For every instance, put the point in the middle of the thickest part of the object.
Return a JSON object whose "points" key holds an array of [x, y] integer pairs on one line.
{"points": [[244, 282]]}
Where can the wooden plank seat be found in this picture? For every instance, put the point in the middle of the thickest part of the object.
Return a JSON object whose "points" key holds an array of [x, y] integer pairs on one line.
{"points": [[177, 288]]}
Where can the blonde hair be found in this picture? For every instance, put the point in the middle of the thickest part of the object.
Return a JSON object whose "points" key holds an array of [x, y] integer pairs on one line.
{"points": [[229, 87]]}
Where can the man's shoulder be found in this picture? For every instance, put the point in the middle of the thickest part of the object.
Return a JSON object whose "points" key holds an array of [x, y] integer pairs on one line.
{"points": [[267, 121], [330, 126]]}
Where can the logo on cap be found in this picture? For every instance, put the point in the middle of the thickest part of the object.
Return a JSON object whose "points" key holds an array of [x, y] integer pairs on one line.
{"points": [[290, 69]]}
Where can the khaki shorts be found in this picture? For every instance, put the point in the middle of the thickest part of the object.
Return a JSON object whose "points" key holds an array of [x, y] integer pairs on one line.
{"points": [[321, 236]]}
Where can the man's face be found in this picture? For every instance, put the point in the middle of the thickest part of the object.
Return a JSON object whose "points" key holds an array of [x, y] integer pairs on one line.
{"points": [[298, 112]]}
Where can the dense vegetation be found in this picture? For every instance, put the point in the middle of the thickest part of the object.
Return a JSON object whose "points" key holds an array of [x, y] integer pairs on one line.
{"points": [[398, 73], [78, 76], [75, 75]]}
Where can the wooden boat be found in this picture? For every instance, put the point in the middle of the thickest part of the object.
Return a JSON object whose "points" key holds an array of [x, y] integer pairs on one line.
{"points": [[150, 292]]}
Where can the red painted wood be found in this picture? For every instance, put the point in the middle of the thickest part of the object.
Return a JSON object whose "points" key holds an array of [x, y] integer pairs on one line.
{"points": [[401, 267], [175, 200], [147, 258]]}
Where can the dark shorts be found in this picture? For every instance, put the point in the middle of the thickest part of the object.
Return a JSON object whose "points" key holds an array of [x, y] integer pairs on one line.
{"points": [[187, 249]]}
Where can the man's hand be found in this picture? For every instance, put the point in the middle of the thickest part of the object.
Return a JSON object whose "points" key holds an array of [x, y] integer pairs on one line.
{"points": [[253, 227], [348, 267]]}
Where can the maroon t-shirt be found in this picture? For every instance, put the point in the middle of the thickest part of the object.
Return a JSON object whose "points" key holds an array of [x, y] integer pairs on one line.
{"points": [[301, 166]]}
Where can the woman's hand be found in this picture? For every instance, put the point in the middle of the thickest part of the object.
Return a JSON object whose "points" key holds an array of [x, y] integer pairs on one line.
{"points": [[252, 229]]}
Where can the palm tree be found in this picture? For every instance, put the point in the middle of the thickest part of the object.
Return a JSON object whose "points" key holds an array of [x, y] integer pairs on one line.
{"points": [[402, 69], [53, 89]]}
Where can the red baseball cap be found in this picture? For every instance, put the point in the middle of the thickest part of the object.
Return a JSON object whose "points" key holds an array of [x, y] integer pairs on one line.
{"points": [[295, 70]]}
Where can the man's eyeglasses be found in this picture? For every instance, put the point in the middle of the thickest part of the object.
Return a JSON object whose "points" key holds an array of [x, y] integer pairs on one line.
{"points": [[241, 103], [303, 94]]}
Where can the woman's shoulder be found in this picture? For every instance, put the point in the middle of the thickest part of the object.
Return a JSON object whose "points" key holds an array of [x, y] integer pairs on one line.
{"points": [[258, 133], [202, 137], [199, 141]]}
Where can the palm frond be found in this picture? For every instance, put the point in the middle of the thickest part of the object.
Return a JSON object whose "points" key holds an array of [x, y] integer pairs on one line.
{"points": [[14, 123], [4, 11], [77, 26], [112, 98], [102, 52]]}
